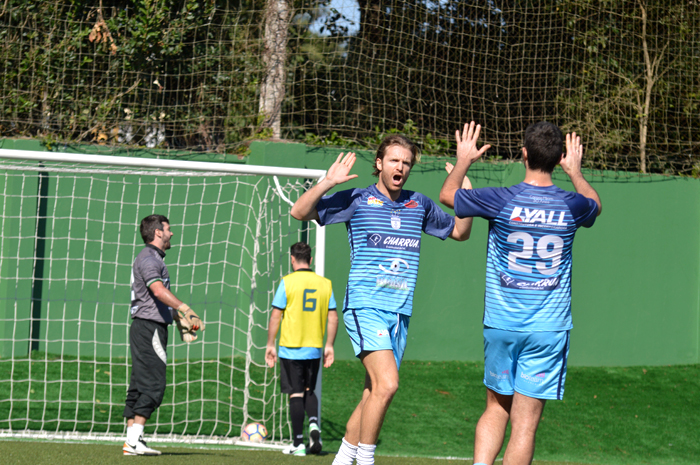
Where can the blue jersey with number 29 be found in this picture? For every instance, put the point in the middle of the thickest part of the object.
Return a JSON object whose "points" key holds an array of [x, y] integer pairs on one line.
{"points": [[528, 263]]}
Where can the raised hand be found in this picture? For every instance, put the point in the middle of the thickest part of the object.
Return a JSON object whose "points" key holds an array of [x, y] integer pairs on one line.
{"points": [[466, 143], [571, 162], [338, 173], [466, 183]]}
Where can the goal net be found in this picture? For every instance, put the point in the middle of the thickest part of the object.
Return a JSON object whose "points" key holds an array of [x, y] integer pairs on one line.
{"points": [[68, 238], [211, 76]]}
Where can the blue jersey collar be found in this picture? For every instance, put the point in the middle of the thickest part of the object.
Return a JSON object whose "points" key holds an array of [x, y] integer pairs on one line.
{"points": [[403, 196]]}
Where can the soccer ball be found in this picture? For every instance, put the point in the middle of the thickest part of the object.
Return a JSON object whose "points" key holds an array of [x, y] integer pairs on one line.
{"points": [[254, 432]]}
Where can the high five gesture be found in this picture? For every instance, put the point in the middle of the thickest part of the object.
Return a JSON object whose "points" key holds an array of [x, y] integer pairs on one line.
{"points": [[467, 153], [305, 208]]}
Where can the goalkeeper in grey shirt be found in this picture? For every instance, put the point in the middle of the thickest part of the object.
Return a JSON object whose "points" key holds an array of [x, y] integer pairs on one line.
{"points": [[153, 308]]}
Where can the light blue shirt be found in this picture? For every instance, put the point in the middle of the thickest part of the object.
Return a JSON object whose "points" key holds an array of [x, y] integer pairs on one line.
{"points": [[385, 240], [529, 254]]}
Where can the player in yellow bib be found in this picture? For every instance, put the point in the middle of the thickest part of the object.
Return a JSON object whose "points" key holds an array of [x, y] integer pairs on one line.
{"points": [[304, 305]]}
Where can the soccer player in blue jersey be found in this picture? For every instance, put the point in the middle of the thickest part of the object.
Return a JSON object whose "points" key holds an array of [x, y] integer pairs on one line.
{"points": [[384, 224], [527, 314]]}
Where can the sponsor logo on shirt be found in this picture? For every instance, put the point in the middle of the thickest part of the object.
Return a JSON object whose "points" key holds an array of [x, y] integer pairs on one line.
{"points": [[390, 241], [411, 204], [533, 216], [372, 201], [392, 282], [383, 333], [397, 266], [546, 284], [537, 379]]}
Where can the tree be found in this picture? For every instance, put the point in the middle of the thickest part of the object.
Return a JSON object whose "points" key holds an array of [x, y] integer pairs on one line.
{"points": [[626, 56]]}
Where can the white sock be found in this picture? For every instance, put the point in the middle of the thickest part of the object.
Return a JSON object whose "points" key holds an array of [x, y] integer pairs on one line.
{"points": [[365, 454], [134, 433], [346, 454]]}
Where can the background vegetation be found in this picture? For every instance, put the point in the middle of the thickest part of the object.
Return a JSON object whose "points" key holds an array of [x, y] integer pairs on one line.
{"points": [[187, 74]]}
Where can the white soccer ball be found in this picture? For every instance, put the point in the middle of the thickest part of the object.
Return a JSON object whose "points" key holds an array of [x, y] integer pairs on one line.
{"points": [[254, 432]]}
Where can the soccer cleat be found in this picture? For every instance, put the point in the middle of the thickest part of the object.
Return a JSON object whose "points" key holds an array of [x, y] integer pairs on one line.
{"points": [[141, 448], [315, 444], [299, 451]]}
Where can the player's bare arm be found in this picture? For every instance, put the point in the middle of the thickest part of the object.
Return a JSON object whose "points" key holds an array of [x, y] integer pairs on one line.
{"points": [[463, 226], [163, 294], [467, 153], [332, 330], [272, 329], [305, 207], [571, 164], [183, 315]]}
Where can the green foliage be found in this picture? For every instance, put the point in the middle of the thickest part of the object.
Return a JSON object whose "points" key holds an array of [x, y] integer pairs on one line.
{"points": [[604, 92], [116, 72], [186, 74], [428, 144]]}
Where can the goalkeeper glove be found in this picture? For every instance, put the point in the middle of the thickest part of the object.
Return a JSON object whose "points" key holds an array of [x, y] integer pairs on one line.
{"points": [[185, 335], [189, 319]]}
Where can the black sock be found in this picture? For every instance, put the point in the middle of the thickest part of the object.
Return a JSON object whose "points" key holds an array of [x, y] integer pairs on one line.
{"points": [[296, 411], [311, 406]]}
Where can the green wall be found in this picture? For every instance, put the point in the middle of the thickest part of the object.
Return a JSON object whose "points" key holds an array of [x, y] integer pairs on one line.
{"points": [[636, 272], [635, 277]]}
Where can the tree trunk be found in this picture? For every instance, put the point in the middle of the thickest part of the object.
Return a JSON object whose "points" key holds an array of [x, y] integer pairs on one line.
{"points": [[277, 14]]}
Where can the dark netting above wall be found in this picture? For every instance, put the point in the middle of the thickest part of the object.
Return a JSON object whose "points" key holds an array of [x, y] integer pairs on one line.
{"points": [[213, 75]]}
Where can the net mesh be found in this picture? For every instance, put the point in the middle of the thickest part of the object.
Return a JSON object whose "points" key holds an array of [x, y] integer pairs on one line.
{"points": [[190, 75], [68, 241]]}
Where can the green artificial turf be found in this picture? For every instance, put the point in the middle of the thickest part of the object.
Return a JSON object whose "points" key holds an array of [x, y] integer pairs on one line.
{"points": [[47, 453], [632, 415], [629, 415]]}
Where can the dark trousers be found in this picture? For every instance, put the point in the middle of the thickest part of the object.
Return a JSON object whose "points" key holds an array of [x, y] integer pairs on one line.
{"points": [[148, 341]]}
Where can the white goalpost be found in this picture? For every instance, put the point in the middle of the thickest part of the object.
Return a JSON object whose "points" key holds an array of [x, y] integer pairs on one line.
{"points": [[68, 237]]}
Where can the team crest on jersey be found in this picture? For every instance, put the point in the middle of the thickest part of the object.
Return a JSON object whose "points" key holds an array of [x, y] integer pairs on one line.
{"points": [[535, 215], [372, 201], [395, 219], [411, 204], [383, 333]]}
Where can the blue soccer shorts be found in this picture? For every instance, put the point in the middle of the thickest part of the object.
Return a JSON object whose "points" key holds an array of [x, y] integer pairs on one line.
{"points": [[530, 363], [371, 329]]}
